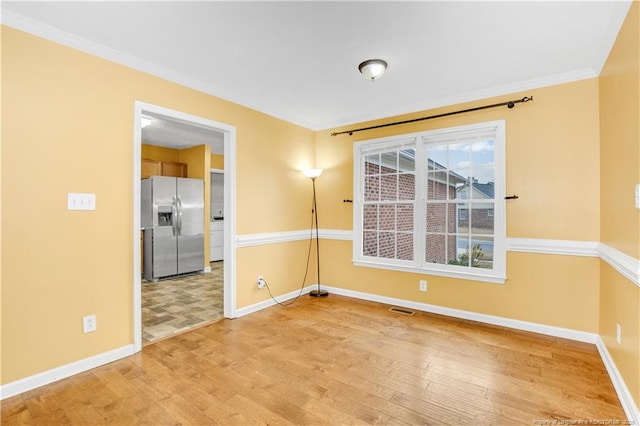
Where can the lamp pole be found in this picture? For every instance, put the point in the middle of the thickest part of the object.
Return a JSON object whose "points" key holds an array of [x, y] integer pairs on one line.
{"points": [[318, 292]]}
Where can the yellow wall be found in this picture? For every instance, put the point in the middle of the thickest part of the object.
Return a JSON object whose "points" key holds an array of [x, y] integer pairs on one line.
{"points": [[198, 160], [58, 265], [1, 235], [283, 277], [544, 169], [217, 161], [160, 153], [620, 172]]}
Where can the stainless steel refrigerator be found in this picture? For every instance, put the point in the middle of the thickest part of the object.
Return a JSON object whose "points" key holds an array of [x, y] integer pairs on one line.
{"points": [[172, 214]]}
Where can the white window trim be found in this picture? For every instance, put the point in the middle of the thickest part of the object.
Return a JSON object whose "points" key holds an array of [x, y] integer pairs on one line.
{"points": [[498, 273]]}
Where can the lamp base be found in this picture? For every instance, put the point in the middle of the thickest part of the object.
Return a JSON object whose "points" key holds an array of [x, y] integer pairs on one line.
{"points": [[318, 293]]}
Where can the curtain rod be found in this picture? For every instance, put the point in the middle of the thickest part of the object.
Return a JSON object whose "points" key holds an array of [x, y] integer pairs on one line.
{"points": [[509, 104]]}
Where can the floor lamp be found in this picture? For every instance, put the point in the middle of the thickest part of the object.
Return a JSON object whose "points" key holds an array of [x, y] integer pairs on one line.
{"points": [[313, 174]]}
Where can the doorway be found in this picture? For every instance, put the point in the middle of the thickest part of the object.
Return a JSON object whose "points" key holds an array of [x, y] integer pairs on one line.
{"points": [[227, 135]]}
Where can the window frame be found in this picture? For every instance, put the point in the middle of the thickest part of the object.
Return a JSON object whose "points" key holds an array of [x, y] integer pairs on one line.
{"points": [[419, 141]]}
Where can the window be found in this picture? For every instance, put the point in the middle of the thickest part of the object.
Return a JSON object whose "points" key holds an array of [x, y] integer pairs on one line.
{"points": [[432, 202]]}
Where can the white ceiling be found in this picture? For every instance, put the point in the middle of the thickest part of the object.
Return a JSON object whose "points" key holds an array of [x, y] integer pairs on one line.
{"points": [[171, 133], [298, 60]]}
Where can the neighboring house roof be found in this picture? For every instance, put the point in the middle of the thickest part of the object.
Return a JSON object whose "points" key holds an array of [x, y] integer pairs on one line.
{"points": [[485, 189]]}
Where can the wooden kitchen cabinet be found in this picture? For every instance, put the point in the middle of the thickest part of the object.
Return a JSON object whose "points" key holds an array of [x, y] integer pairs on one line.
{"points": [[162, 168], [174, 169], [150, 168]]}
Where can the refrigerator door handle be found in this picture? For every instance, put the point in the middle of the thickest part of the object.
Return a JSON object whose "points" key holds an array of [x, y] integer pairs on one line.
{"points": [[174, 214], [179, 215]]}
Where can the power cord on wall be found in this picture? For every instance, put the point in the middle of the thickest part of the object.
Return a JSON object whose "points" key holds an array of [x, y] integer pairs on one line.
{"points": [[306, 271]]}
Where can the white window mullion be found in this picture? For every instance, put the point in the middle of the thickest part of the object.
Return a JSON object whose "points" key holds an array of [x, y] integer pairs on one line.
{"points": [[419, 213], [358, 199]]}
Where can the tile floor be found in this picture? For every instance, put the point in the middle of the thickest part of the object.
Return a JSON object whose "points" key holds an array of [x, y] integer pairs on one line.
{"points": [[173, 306]]}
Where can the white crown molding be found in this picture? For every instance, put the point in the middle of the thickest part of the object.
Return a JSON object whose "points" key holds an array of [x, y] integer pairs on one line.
{"points": [[492, 92], [564, 247], [65, 38], [47, 32], [626, 399], [617, 17], [39, 29], [64, 371], [621, 262]]}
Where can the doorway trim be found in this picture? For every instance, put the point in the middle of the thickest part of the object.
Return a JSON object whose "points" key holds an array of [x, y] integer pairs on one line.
{"points": [[229, 290]]}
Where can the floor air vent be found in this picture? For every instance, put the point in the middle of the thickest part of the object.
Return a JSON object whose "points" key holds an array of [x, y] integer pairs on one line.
{"points": [[402, 311]]}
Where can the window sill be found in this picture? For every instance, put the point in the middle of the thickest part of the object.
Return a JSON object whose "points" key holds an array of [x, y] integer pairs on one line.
{"points": [[441, 273]]}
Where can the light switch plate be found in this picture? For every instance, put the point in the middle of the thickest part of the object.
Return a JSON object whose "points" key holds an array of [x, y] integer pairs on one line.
{"points": [[80, 201]]}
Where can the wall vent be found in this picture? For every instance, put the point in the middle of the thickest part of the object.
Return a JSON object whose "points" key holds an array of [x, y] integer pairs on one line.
{"points": [[402, 311]]}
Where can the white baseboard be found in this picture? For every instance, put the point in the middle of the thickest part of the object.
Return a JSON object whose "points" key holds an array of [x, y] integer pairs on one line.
{"points": [[270, 302], [207, 269], [64, 371], [549, 330], [625, 397]]}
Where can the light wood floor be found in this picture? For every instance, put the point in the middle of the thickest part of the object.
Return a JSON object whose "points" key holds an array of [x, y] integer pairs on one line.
{"points": [[335, 361]]}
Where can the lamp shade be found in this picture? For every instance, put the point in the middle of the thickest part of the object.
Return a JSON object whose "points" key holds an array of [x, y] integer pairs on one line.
{"points": [[372, 69], [312, 173]]}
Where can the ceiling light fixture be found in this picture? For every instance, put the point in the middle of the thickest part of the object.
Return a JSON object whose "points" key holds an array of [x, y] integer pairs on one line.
{"points": [[145, 121], [372, 69]]}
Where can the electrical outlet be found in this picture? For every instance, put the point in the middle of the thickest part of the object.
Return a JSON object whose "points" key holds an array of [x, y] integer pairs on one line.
{"points": [[619, 334], [423, 285], [261, 281], [88, 323]]}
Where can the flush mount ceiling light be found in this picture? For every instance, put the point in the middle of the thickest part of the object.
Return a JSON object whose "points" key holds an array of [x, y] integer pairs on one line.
{"points": [[372, 69]]}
